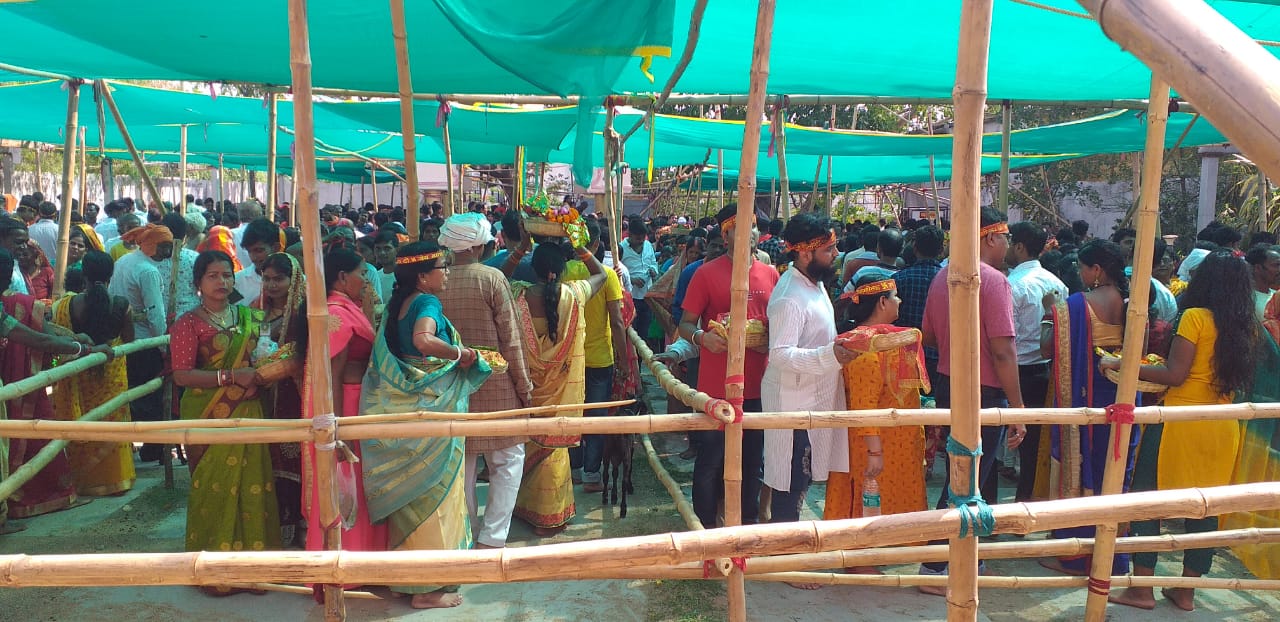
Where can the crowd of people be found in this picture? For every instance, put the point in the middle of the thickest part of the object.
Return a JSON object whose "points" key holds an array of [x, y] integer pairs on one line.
{"points": [[477, 315]]}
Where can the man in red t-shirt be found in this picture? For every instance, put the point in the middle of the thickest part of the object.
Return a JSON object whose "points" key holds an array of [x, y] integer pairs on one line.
{"points": [[997, 356], [708, 298]]}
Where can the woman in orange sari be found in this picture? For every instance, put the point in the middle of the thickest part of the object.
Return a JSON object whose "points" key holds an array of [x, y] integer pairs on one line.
{"points": [[98, 468], [891, 378], [553, 315]]}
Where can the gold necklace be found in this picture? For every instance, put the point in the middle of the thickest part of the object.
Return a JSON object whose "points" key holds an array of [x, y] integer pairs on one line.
{"points": [[218, 320]]}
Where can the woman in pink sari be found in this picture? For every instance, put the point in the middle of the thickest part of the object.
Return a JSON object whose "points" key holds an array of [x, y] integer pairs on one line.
{"points": [[351, 339]]}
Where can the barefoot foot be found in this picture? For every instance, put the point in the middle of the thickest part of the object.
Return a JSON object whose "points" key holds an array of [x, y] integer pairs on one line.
{"points": [[1052, 563], [1183, 598], [1139, 597], [436, 600]]}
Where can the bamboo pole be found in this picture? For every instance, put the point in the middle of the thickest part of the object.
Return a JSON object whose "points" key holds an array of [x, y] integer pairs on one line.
{"points": [[688, 395], [481, 424], [404, 78], [683, 507], [1006, 120], [304, 169], [221, 178], [448, 165], [373, 179], [66, 370], [68, 168], [830, 204], [133, 151], [182, 197], [784, 182], [1134, 338], [1229, 78], [963, 280], [1030, 583], [612, 201], [302, 590], [84, 172], [742, 261], [583, 559], [273, 125], [719, 179], [32, 467]]}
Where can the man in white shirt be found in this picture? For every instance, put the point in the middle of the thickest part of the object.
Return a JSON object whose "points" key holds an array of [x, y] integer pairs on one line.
{"points": [[14, 238], [248, 212], [1030, 284], [137, 279], [642, 264], [803, 372], [261, 238], [108, 230], [44, 231]]}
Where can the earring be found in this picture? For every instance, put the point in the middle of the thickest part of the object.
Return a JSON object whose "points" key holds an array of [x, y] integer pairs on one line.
{"points": [[1096, 282]]}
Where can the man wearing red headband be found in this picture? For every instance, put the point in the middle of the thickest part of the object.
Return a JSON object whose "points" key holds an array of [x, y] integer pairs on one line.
{"points": [[997, 356], [708, 299]]}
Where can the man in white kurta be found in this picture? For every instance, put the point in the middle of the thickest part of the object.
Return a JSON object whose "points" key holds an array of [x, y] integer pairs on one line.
{"points": [[804, 370]]}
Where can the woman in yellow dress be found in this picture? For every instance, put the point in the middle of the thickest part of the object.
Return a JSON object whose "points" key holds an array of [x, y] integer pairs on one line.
{"points": [[553, 315], [1215, 353], [890, 378], [97, 468]]}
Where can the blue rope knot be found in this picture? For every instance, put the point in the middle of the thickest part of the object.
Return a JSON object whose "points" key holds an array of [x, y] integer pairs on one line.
{"points": [[978, 516]]}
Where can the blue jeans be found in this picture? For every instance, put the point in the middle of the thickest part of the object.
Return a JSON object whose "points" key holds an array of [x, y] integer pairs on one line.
{"points": [[708, 471], [785, 506], [590, 453], [992, 437]]}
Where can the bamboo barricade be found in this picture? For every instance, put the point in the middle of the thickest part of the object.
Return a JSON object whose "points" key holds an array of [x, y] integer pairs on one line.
{"points": [[829, 578], [683, 507], [128, 142], [583, 560], [404, 79], [68, 167], [1134, 340], [963, 281], [1226, 81], [273, 125], [690, 396], [66, 370], [302, 590], [324, 429], [890, 556], [742, 261], [24, 473], [354, 428]]}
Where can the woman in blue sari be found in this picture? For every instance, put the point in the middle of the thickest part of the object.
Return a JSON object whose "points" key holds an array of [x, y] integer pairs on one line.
{"points": [[1078, 453], [419, 363]]}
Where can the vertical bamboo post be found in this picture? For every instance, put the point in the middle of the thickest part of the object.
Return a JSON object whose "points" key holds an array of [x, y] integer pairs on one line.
{"points": [[182, 188], [970, 96], [784, 181], [304, 171], [133, 151], [719, 179], [373, 179], [830, 198], [404, 78], [742, 260], [68, 167], [273, 124], [1006, 120], [222, 172], [1134, 335], [448, 165], [84, 179], [611, 202], [39, 170]]}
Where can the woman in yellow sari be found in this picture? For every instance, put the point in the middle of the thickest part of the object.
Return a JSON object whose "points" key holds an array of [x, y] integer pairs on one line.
{"points": [[419, 363], [98, 468], [553, 315], [232, 503]]}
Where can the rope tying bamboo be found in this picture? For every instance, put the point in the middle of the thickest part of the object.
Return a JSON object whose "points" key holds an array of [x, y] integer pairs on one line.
{"points": [[327, 421], [979, 516], [1123, 415]]}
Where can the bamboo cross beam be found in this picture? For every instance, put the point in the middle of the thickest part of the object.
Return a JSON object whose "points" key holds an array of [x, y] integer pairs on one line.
{"points": [[688, 395], [32, 467], [267, 431], [110, 101], [68, 166], [66, 370], [582, 559], [1029, 583]]}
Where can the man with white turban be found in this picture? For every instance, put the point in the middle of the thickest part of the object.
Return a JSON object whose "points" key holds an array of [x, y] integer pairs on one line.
{"points": [[479, 303]]}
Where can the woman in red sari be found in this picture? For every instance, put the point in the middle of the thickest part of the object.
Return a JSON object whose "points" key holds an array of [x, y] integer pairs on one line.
{"points": [[350, 347]]}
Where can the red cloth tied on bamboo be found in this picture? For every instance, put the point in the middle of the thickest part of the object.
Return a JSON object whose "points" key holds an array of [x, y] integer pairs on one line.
{"points": [[1122, 414], [901, 365]]}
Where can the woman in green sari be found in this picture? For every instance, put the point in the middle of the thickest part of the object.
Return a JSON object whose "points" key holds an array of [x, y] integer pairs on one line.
{"points": [[419, 363], [232, 503]]}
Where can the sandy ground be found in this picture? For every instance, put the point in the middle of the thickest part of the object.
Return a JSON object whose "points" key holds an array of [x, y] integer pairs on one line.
{"points": [[152, 518]]}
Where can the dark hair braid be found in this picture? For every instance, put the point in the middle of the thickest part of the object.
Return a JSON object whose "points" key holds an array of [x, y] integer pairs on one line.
{"points": [[549, 264]]}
